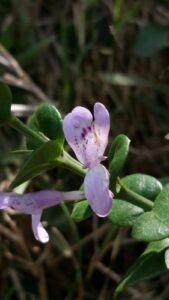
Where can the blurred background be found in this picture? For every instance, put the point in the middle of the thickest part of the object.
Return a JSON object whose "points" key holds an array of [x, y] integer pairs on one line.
{"points": [[76, 53]]}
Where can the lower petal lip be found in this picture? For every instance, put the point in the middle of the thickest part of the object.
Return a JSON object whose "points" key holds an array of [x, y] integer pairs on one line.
{"points": [[96, 187]]}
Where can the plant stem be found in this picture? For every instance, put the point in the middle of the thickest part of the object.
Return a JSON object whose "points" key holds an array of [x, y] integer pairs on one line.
{"points": [[70, 163], [65, 160], [135, 198], [28, 132]]}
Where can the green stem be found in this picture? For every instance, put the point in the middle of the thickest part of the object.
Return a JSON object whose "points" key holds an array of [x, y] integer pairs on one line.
{"points": [[65, 160], [28, 132], [70, 163], [135, 198]]}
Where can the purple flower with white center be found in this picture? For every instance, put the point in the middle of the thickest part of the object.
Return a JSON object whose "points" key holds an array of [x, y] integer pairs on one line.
{"points": [[34, 203], [88, 138]]}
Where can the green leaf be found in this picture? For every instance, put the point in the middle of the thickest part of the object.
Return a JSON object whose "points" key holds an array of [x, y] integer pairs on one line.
{"points": [[117, 157], [124, 213], [5, 103], [33, 124], [81, 211], [46, 120], [151, 39], [42, 159], [142, 184], [154, 225], [150, 264], [50, 122]]}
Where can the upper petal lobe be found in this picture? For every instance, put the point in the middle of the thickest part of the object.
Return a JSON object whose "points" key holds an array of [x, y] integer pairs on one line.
{"points": [[78, 130], [101, 126], [88, 139]]}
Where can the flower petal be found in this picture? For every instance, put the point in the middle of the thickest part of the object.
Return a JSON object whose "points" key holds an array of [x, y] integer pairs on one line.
{"points": [[24, 203], [96, 187], [4, 200], [44, 199], [40, 233], [80, 134], [101, 126], [31, 203]]}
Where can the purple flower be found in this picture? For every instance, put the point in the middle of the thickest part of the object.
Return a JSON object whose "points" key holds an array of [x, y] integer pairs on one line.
{"points": [[34, 203], [89, 139]]}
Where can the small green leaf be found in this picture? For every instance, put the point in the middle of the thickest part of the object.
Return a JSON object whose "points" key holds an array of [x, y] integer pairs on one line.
{"points": [[5, 103], [151, 39], [42, 159], [142, 184], [148, 265], [154, 225], [117, 156], [50, 122], [81, 211], [47, 121], [124, 213], [33, 124]]}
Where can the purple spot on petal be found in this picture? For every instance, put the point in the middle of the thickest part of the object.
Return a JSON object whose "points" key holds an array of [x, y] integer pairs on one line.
{"points": [[76, 141], [82, 135], [84, 131], [89, 128]]}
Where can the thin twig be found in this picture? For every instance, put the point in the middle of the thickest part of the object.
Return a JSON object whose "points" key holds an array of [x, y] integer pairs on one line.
{"points": [[17, 284], [20, 78]]}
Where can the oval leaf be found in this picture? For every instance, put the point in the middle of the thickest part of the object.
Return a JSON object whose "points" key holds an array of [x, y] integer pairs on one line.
{"points": [[50, 122], [42, 159], [124, 213], [81, 211], [142, 184], [46, 120], [117, 157], [5, 103], [154, 225]]}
